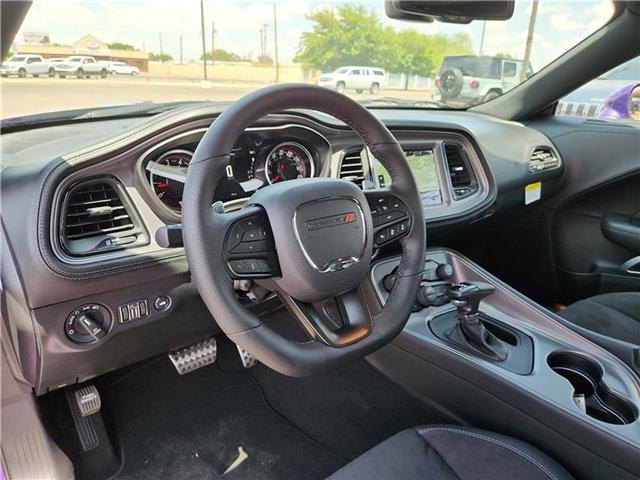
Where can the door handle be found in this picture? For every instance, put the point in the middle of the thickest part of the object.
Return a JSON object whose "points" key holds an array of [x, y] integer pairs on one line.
{"points": [[623, 230]]}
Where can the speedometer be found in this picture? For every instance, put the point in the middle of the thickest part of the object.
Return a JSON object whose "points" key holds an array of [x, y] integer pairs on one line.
{"points": [[167, 175], [288, 161]]}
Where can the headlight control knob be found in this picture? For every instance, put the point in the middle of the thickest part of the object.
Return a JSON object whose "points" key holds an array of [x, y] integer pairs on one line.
{"points": [[88, 323]]}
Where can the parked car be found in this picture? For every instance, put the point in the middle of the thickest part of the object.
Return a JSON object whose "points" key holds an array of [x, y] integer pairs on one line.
{"points": [[356, 78], [81, 66], [122, 68], [591, 99], [23, 65], [474, 79]]}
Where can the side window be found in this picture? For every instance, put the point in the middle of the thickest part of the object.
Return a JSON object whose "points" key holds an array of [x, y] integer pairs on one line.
{"points": [[614, 97], [354, 72], [509, 70]]}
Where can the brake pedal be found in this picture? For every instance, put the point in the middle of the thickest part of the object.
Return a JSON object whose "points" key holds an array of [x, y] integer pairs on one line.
{"points": [[194, 356], [246, 358], [84, 402]]}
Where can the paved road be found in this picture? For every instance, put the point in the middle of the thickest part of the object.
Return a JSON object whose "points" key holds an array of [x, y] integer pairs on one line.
{"points": [[36, 95]]}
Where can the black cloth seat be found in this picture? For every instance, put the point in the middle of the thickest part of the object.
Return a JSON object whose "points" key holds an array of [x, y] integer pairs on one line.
{"points": [[445, 452], [616, 315]]}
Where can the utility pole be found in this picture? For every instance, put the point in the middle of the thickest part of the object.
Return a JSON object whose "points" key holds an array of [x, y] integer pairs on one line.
{"points": [[529, 44], [275, 42], [204, 44], [264, 53], [161, 51], [261, 43], [213, 41], [484, 28], [180, 49]]}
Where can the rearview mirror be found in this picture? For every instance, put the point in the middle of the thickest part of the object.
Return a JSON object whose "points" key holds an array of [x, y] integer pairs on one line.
{"points": [[462, 11]]}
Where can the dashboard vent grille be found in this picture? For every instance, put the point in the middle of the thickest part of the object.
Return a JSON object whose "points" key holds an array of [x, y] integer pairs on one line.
{"points": [[351, 167], [96, 217], [543, 158], [462, 179]]}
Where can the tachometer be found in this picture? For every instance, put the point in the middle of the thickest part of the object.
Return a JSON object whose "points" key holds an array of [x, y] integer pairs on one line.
{"points": [[288, 161], [167, 175]]}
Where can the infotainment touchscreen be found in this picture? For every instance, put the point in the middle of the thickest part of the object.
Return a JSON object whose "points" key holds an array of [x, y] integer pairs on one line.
{"points": [[423, 166]]}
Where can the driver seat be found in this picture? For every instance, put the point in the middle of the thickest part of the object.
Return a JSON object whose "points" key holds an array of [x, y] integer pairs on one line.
{"points": [[447, 452]]}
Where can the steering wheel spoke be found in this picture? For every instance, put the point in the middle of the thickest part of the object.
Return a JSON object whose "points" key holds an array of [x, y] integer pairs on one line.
{"points": [[390, 217], [249, 250], [337, 322]]}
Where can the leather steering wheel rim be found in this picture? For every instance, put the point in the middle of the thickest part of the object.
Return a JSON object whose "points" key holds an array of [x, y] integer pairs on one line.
{"points": [[204, 227]]}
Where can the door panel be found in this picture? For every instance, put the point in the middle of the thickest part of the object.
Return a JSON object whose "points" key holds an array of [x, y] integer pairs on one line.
{"points": [[599, 195]]}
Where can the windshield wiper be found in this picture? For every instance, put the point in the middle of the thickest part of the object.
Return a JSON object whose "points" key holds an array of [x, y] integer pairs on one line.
{"points": [[403, 102]]}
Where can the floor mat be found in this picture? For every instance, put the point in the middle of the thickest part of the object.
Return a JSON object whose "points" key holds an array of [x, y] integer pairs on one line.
{"points": [[349, 410], [192, 427]]}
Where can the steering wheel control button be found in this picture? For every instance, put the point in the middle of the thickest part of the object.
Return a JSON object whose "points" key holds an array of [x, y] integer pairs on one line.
{"points": [[162, 303], [134, 310], [88, 324]]}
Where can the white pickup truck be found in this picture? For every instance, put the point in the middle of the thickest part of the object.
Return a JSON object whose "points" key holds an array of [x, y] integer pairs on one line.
{"points": [[81, 66], [23, 65]]}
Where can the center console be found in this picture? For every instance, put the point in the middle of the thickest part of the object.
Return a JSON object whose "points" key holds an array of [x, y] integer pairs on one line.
{"points": [[476, 347]]}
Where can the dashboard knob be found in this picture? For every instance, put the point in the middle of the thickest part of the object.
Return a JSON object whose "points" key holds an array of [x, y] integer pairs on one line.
{"points": [[427, 295], [88, 324], [444, 271]]}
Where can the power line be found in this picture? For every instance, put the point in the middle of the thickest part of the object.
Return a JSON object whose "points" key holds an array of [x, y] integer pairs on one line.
{"points": [[275, 42]]}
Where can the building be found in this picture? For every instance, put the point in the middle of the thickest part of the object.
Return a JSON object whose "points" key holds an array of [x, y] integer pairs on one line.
{"points": [[87, 45]]}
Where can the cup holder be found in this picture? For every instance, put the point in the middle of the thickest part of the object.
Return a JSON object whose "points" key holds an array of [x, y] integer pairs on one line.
{"points": [[590, 391]]}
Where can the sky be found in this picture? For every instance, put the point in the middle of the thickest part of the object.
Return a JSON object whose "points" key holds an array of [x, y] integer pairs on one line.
{"points": [[559, 26]]}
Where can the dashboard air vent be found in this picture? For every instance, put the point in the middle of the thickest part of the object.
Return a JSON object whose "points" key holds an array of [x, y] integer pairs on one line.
{"points": [[543, 158], [462, 179], [351, 167], [96, 217]]}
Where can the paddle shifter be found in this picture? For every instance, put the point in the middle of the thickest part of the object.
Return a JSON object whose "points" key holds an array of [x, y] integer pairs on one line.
{"points": [[470, 331]]}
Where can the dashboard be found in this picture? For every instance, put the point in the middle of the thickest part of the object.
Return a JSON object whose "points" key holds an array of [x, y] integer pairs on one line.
{"points": [[83, 204]]}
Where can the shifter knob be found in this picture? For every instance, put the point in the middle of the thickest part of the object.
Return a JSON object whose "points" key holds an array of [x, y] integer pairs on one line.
{"points": [[466, 296]]}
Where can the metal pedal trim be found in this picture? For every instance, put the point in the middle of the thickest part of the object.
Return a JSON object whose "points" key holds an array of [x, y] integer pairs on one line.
{"points": [[194, 356], [88, 400], [246, 358]]}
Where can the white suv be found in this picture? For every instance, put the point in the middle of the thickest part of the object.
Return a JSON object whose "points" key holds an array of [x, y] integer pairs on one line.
{"points": [[356, 78], [23, 65], [475, 79]]}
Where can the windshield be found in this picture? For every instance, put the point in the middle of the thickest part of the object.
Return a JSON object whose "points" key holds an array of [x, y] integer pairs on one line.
{"points": [[220, 50], [16, 59]]}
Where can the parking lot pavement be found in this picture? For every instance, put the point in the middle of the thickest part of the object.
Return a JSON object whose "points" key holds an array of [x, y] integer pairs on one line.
{"points": [[22, 96]]}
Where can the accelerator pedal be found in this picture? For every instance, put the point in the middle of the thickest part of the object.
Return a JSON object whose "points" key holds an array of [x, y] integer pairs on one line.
{"points": [[194, 356], [246, 358], [85, 403]]}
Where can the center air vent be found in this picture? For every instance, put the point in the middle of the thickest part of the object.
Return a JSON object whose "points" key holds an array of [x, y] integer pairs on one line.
{"points": [[351, 167], [462, 178], [97, 217], [543, 158]]}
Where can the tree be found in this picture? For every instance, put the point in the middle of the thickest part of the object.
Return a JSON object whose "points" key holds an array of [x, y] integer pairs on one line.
{"points": [[352, 35], [221, 55], [160, 57], [348, 35], [264, 60], [120, 46], [503, 55]]}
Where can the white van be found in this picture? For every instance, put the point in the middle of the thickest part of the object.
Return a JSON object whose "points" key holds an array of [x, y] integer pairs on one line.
{"points": [[355, 78]]}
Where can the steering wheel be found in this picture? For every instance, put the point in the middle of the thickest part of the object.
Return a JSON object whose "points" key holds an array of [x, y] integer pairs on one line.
{"points": [[313, 237]]}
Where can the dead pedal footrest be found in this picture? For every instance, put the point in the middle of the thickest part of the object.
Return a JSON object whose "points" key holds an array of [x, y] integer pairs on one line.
{"points": [[83, 403], [194, 356]]}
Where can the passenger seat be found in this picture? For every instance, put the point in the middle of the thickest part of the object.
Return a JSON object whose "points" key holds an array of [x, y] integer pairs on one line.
{"points": [[615, 318]]}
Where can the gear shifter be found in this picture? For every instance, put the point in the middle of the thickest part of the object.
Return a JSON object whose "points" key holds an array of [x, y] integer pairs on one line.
{"points": [[470, 331]]}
